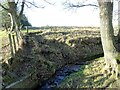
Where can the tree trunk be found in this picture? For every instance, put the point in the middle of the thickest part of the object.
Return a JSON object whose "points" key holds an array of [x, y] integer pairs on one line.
{"points": [[107, 33], [118, 33], [16, 19]]}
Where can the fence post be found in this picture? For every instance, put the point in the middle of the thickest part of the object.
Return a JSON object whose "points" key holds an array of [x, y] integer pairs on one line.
{"points": [[17, 37], [11, 47], [14, 43], [27, 29]]}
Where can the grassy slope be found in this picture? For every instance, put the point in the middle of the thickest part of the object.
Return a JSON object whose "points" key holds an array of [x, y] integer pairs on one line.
{"points": [[48, 49], [64, 44], [3, 34], [91, 76], [4, 45]]}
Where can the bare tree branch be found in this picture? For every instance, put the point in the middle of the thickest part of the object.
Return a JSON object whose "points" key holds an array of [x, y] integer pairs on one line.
{"points": [[70, 5], [22, 8], [33, 4], [27, 5], [17, 2], [49, 2], [77, 6]]}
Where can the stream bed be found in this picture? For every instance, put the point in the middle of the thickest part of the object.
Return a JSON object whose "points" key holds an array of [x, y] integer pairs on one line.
{"points": [[59, 76]]}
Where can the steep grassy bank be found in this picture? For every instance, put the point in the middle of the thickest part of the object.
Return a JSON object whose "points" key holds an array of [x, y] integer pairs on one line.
{"points": [[91, 76]]}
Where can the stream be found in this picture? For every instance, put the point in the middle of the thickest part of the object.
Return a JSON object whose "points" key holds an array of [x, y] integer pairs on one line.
{"points": [[59, 76]]}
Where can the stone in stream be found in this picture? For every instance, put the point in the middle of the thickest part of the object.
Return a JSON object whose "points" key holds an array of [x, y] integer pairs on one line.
{"points": [[58, 80], [46, 87], [70, 69], [75, 68], [60, 73], [61, 77]]}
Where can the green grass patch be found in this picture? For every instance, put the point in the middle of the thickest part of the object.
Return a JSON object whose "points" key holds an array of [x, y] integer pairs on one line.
{"points": [[24, 31], [3, 34], [89, 76]]}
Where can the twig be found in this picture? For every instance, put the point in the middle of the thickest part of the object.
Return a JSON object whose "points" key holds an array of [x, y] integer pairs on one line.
{"points": [[32, 4], [49, 2]]}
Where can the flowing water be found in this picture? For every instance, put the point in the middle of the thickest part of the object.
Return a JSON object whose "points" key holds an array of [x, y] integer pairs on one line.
{"points": [[59, 76]]}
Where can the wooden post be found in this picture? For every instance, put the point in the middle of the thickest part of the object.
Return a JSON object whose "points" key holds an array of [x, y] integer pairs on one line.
{"points": [[118, 33], [27, 29], [51, 28], [17, 37], [14, 43], [11, 47]]}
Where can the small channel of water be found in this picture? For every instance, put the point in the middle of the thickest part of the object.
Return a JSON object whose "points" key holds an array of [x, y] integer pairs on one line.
{"points": [[60, 75]]}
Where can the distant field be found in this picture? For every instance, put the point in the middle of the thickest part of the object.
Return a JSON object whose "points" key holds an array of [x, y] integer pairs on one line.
{"points": [[67, 35], [3, 34]]}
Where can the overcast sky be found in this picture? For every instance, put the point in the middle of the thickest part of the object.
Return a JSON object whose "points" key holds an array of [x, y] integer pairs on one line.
{"points": [[56, 15]]}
